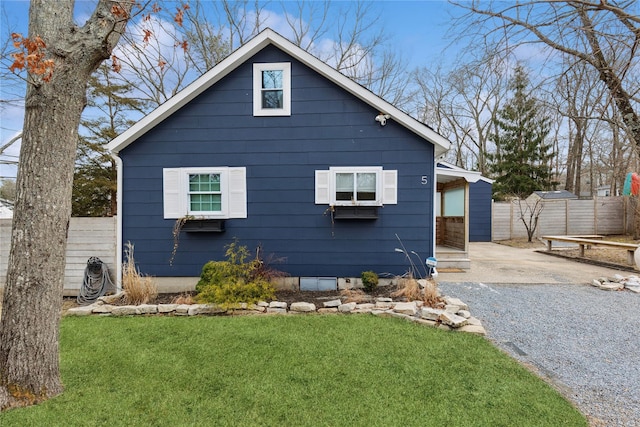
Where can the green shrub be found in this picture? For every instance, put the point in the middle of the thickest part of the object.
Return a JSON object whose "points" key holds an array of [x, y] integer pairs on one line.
{"points": [[217, 273], [369, 280], [236, 280]]}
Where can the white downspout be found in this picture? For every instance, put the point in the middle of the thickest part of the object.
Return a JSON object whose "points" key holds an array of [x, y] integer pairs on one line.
{"points": [[118, 222], [434, 204]]}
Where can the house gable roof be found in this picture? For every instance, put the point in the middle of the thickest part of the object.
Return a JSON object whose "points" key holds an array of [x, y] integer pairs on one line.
{"points": [[242, 54]]}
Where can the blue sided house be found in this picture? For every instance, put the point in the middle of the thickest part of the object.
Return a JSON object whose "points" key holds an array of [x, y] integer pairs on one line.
{"points": [[275, 149]]}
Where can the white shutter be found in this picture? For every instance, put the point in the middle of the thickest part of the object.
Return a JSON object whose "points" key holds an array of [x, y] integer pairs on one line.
{"points": [[173, 194], [237, 193], [390, 187], [323, 196]]}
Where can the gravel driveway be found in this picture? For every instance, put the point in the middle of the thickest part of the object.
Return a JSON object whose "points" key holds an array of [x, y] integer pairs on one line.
{"points": [[583, 340]]}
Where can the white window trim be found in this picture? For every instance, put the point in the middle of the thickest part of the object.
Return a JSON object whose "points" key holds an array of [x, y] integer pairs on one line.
{"points": [[232, 186], [258, 68], [386, 186]]}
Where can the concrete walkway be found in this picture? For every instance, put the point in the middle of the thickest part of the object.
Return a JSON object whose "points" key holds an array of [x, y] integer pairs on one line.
{"points": [[492, 263]]}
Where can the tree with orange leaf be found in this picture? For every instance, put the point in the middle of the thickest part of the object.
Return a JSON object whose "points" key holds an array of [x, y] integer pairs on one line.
{"points": [[58, 57]]}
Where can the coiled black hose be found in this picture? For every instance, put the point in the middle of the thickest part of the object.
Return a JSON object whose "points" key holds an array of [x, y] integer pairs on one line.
{"points": [[96, 281]]}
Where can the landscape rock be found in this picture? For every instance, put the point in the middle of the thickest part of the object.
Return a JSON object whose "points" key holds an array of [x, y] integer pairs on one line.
{"points": [[102, 308], [618, 282], [452, 308], [182, 309], [452, 319], [112, 299], [611, 286], [85, 310], [302, 307], [430, 313], [256, 307], [474, 321], [473, 329], [332, 304], [197, 309], [278, 304], [365, 306], [276, 310], [400, 315], [424, 321], [635, 289], [384, 305], [464, 313], [167, 308], [456, 301], [409, 308], [125, 310], [347, 308], [148, 308]]}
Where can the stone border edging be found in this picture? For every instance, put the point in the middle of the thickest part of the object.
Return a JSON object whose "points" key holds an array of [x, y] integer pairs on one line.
{"points": [[455, 315]]}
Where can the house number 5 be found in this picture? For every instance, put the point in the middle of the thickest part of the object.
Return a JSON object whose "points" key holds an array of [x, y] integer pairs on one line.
{"points": [[424, 180]]}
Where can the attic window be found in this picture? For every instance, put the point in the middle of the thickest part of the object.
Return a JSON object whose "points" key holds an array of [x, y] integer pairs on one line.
{"points": [[272, 89]]}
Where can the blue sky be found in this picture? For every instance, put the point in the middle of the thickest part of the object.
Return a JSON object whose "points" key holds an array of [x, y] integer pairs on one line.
{"points": [[418, 29]]}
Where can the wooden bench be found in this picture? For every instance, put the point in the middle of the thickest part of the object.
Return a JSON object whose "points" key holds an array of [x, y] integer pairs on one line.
{"points": [[584, 242]]}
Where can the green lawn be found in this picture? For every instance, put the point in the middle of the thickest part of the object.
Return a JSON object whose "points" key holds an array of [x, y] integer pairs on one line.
{"points": [[357, 370]]}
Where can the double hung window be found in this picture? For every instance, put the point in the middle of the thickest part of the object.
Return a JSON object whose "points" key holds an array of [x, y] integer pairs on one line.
{"points": [[205, 193], [272, 89], [356, 186]]}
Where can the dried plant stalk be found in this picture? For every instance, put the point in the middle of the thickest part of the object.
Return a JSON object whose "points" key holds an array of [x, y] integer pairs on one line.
{"points": [[139, 289], [410, 289], [354, 295]]}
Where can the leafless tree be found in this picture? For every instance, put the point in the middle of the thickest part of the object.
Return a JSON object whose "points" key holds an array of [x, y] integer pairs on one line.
{"points": [[603, 34], [529, 211], [463, 102]]}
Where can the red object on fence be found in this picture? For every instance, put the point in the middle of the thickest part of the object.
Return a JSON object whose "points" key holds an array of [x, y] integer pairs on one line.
{"points": [[635, 184]]}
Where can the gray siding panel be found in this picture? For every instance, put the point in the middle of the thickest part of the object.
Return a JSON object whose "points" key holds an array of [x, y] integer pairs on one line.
{"points": [[327, 127]]}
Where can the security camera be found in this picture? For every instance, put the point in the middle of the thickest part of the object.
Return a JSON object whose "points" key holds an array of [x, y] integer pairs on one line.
{"points": [[382, 118]]}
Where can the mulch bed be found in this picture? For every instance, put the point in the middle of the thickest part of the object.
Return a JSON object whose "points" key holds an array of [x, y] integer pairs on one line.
{"points": [[288, 296]]}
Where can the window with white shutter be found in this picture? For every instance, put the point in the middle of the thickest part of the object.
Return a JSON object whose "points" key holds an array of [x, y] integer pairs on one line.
{"points": [[356, 186], [205, 193]]}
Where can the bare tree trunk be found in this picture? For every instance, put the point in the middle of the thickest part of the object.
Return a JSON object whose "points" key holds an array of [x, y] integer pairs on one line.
{"points": [[29, 365]]}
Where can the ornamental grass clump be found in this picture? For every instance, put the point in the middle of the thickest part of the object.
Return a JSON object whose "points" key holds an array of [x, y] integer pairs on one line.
{"points": [[354, 295], [410, 289], [236, 280], [138, 289]]}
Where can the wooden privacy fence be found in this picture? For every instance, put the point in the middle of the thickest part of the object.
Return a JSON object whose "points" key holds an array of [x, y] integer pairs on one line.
{"points": [[600, 215], [87, 237]]}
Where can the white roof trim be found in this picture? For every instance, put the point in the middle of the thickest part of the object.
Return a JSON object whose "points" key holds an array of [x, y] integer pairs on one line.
{"points": [[448, 169], [230, 63]]}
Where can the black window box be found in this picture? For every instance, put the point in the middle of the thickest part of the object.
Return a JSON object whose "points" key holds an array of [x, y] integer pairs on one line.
{"points": [[204, 226], [355, 212]]}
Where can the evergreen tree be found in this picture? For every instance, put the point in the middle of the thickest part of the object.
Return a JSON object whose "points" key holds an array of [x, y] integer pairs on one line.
{"points": [[94, 180], [522, 161]]}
